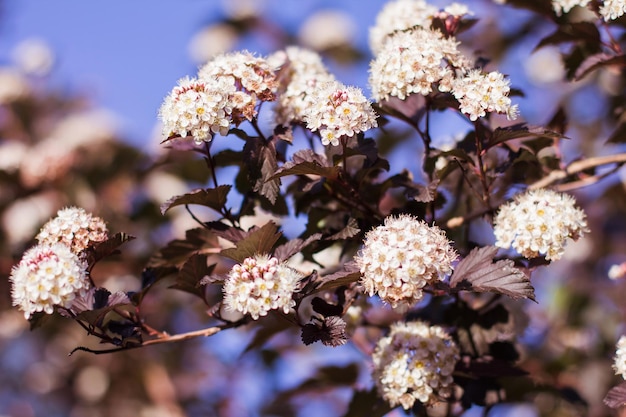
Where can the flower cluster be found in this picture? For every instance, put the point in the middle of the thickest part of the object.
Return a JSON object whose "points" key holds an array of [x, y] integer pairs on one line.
{"points": [[479, 93], [300, 72], [225, 92], [402, 256], [260, 284], [399, 15], [48, 276], [73, 227], [339, 111], [197, 108], [619, 361], [411, 62], [539, 222], [414, 363], [612, 9]]}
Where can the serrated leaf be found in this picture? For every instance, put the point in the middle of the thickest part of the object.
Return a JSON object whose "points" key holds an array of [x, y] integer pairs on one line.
{"points": [[177, 251], [307, 162], [520, 130], [349, 274], [267, 185], [191, 274], [259, 241], [351, 229], [286, 251], [106, 248], [230, 233], [616, 397], [572, 32], [214, 198], [326, 309], [477, 272], [596, 61]]}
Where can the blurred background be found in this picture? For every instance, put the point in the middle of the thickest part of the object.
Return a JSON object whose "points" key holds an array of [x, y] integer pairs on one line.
{"points": [[80, 87]]}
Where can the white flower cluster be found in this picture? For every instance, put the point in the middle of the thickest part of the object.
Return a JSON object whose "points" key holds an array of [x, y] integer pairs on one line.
{"points": [[414, 363], [402, 256], [48, 276], [75, 228], [399, 15], [564, 6], [411, 62], [300, 71], [260, 284], [612, 9], [539, 222], [337, 111], [197, 108], [619, 361], [479, 93], [411, 58], [225, 92]]}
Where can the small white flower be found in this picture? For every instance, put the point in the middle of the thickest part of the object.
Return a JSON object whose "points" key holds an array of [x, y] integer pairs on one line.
{"points": [[73, 227], [612, 9], [564, 6], [301, 71], [402, 256], [414, 363], [397, 16], [539, 222], [479, 94], [260, 284], [619, 361], [414, 62], [198, 109], [48, 276], [338, 111]]}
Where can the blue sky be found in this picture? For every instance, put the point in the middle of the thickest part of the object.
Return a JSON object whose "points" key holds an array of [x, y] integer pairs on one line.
{"points": [[127, 54]]}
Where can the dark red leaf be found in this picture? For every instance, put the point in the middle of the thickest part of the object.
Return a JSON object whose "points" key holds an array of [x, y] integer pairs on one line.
{"points": [[477, 272], [307, 162], [214, 198], [616, 397], [191, 274], [286, 251], [259, 241], [520, 130], [596, 61], [351, 229], [106, 248], [349, 274]]}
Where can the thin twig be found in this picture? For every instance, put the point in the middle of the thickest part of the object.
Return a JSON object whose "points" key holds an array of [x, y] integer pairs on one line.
{"points": [[576, 167]]}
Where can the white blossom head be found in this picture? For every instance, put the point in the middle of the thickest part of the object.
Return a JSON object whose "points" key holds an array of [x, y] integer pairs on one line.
{"points": [[399, 15], [338, 111], [400, 257], [300, 71], [619, 361], [612, 9], [480, 93], [412, 62], [539, 222], [249, 74], [75, 228], [197, 108], [564, 6], [414, 362], [260, 284], [48, 276]]}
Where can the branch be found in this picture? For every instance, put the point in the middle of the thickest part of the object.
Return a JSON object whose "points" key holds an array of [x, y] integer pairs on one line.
{"points": [[163, 338], [578, 166]]}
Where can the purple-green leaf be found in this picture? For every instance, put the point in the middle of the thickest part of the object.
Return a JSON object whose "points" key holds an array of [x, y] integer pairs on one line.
{"points": [[259, 241], [214, 198], [477, 272], [307, 162]]}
